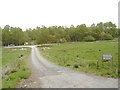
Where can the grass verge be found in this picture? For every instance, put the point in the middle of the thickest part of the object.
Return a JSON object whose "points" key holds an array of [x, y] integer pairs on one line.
{"points": [[15, 66], [85, 56]]}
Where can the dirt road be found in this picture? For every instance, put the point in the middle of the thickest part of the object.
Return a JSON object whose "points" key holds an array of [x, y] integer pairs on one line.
{"points": [[46, 74]]}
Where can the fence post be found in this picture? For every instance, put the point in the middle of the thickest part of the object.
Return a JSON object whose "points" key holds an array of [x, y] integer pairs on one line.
{"points": [[97, 65], [111, 62]]}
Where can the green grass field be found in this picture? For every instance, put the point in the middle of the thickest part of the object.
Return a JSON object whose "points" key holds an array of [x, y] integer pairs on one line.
{"points": [[0, 56], [83, 56], [15, 68], [0, 67]]}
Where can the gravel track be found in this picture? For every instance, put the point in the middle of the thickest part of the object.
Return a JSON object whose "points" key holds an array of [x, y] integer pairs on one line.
{"points": [[46, 74]]}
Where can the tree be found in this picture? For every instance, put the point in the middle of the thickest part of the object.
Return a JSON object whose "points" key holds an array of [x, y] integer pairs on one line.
{"points": [[100, 25], [93, 25], [12, 35], [6, 35], [109, 25], [81, 32], [54, 34], [0, 36]]}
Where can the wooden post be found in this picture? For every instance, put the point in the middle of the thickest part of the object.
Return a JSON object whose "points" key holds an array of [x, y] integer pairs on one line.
{"points": [[111, 62], [102, 62], [97, 65]]}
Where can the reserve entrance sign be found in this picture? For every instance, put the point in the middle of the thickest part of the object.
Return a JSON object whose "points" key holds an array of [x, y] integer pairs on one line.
{"points": [[107, 57]]}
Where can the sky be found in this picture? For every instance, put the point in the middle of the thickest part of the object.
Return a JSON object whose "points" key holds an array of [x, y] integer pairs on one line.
{"points": [[33, 13]]}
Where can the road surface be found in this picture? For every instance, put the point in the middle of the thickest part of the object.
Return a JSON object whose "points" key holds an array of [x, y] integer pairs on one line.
{"points": [[46, 74]]}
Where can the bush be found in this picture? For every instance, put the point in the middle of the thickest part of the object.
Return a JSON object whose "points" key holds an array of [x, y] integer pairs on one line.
{"points": [[92, 64], [76, 66], [89, 38], [108, 37], [62, 40], [67, 64]]}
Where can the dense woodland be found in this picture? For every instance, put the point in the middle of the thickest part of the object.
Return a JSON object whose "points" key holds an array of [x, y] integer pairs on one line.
{"points": [[58, 34]]}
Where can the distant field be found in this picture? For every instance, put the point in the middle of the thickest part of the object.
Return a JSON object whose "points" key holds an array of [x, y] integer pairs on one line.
{"points": [[84, 56], [14, 65]]}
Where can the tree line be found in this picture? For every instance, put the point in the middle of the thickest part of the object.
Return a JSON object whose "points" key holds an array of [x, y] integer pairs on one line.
{"points": [[59, 34]]}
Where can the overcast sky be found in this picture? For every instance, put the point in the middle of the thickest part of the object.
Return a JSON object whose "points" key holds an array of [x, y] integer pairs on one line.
{"points": [[32, 13]]}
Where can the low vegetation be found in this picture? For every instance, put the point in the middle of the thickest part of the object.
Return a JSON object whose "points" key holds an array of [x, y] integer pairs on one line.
{"points": [[15, 67], [85, 56]]}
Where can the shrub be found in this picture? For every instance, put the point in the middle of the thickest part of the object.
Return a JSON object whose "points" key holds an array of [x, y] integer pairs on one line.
{"points": [[76, 66], [92, 64], [13, 71], [108, 37], [89, 38], [62, 40], [67, 64]]}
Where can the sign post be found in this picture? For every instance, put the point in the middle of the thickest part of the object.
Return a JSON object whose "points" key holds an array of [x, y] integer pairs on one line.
{"points": [[107, 57]]}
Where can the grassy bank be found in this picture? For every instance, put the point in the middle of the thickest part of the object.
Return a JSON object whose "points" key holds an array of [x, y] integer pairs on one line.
{"points": [[85, 56], [15, 67]]}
